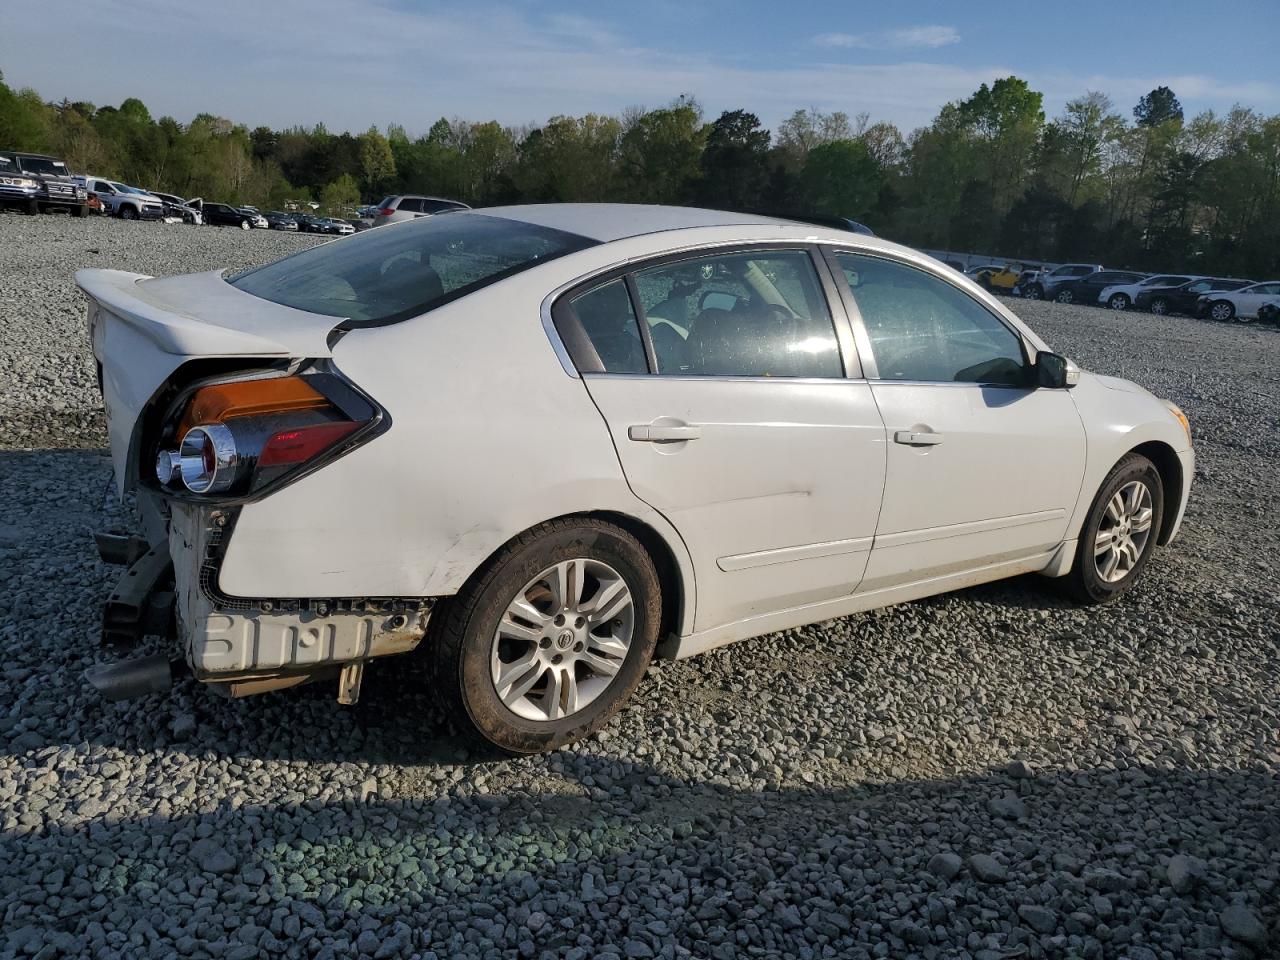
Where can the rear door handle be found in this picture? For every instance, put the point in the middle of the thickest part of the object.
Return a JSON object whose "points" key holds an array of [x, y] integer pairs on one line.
{"points": [[663, 433], [913, 439]]}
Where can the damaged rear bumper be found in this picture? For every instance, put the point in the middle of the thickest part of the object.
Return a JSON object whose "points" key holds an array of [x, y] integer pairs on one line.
{"points": [[241, 646]]}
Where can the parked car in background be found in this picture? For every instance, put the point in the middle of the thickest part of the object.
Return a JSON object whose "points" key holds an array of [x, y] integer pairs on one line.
{"points": [[1121, 296], [395, 486], [123, 201], [278, 220], [187, 210], [35, 182], [332, 225], [1239, 304], [225, 215], [1043, 284], [307, 223], [411, 206], [1182, 298], [1085, 290], [998, 279]]}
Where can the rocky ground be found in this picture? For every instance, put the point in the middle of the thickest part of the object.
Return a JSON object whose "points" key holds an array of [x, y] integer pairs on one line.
{"points": [[993, 773]]}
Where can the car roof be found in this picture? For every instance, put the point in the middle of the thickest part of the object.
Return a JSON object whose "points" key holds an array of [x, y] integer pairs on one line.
{"points": [[607, 222]]}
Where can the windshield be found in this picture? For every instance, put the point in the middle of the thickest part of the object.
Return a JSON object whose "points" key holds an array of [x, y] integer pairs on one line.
{"points": [[54, 168], [400, 271]]}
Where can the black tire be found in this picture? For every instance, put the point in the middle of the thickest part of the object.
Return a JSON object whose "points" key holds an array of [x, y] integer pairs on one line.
{"points": [[462, 634], [245, 225], [78, 210], [128, 212], [32, 208], [1034, 292], [1223, 311], [1065, 296], [1160, 306], [1084, 582], [1118, 301]]}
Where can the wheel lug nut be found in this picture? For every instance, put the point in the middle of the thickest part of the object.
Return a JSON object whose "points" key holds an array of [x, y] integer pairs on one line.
{"points": [[557, 658], [577, 647], [559, 620], [579, 622], [544, 642]]}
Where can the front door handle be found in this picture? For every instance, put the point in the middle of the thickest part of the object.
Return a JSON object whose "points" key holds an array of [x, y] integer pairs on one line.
{"points": [[913, 439], [663, 433]]}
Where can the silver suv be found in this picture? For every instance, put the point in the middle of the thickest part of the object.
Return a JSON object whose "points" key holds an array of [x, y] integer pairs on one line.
{"points": [[410, 206]]}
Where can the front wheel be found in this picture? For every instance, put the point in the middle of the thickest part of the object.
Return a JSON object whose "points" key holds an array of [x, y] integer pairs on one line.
{"points": [[128, 213], [1222, 310], [1119, 532], [1034, 292], [78, 210], [1160, 306], [547, 642], [1065, 296], [245, 225], [1118, 301]]}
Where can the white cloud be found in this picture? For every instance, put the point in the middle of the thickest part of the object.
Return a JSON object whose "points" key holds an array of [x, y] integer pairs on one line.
{"points": [[928, 37]]}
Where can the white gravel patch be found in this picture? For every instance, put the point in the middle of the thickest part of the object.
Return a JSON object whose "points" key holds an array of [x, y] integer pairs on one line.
{"points": [[992, 773]]}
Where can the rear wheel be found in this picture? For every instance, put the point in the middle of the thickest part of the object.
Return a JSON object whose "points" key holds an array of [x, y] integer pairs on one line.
{"points": [[1160, 306], [1222, 310], [546, 643], [1118, 301], [1065, 296], [1034, 292], [1119, 533], [245, 225]]}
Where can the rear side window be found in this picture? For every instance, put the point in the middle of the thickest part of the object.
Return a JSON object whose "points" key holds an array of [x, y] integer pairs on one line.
{"points": [[392, 274], [409, 205], [924, 329], [609, 322]]}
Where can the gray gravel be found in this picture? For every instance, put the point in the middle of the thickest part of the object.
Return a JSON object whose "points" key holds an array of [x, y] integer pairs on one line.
{"points": [[993, 773]]}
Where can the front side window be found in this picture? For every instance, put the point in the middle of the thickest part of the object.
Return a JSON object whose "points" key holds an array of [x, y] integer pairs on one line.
{"points": [[923, 328], [383, 276], [754, 314]]}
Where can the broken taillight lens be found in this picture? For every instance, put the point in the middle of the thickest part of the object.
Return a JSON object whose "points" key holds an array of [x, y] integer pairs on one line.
{"points": [[236, 438]]}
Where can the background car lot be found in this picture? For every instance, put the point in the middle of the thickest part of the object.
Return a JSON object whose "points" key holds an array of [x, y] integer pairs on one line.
{"points": [[801, 791]]}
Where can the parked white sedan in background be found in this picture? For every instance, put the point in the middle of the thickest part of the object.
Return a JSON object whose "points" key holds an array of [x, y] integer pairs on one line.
{"points": [[1121, 296], [1242, 304], [546, 442]]}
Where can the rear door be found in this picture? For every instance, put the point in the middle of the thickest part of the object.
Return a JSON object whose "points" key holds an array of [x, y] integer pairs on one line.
{"points": [[982, 468], [722, 379], [1251, 298]]}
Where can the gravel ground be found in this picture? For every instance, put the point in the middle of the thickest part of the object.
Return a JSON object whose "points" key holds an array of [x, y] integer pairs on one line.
{"points": [[991, 773]]}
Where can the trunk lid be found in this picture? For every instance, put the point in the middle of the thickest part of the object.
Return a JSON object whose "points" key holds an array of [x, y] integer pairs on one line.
{"points": [[144, 328]]}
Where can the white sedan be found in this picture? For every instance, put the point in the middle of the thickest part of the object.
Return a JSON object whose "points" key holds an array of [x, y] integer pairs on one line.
{"points": [[547, 443], [1121, 296], [1242, 304]]}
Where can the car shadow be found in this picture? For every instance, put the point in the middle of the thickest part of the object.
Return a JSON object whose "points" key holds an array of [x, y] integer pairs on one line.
{"points": [[672, 864]]}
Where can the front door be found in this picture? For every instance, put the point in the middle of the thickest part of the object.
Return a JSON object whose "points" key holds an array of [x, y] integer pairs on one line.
{"points": [[982, 468], [728, 404]]}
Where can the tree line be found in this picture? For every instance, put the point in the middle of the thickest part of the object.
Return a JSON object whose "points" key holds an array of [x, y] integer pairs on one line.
{"points": [[1147, 189]]}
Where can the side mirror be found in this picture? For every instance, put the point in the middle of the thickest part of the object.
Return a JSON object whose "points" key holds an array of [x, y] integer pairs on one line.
{"points": [[1055, 371]]}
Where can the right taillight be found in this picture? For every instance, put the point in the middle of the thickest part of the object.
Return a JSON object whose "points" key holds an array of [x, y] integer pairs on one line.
{"points": [[386, 211], [235, 438]]}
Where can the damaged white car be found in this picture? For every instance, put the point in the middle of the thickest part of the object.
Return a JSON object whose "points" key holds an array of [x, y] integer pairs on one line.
{"points": [[542, 444]]}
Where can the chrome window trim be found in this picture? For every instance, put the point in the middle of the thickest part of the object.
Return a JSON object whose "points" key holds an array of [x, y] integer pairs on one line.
{"points": [[686, 378]]}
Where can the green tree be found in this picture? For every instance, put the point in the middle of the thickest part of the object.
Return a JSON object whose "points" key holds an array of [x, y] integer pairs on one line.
{"points": [[339, 197], [661, 153], [842, 179], [1157, 107], [735, 163], [377, 161]]}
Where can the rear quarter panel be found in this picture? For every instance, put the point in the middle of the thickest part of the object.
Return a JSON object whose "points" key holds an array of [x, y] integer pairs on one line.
{"points": [[489, 436]]}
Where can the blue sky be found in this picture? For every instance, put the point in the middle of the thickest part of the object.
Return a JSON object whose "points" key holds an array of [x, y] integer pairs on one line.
{"points": [[353, 63]]}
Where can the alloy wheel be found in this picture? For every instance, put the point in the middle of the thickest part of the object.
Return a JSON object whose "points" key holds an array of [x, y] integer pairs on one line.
{"points": [[1124, 532], [1221, 311], [1066, 296], [562, 640], [1118, 301]]}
